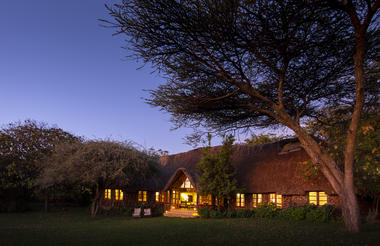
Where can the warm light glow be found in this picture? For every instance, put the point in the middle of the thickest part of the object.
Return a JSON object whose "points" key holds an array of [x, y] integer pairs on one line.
{"points": [[186, 184], [184, 197], [279, 200], [240, 200], [157, 196], [119, 194], [313, 198], [257, 199], [107, 194], [322, 198], [272, 197], [142, 196]]}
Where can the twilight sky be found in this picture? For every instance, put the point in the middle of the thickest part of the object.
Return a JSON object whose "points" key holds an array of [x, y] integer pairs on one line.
{"points": [[59, 66]]}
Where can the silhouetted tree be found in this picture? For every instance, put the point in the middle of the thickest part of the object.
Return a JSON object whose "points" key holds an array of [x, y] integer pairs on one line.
{"points": [[241, 64]]}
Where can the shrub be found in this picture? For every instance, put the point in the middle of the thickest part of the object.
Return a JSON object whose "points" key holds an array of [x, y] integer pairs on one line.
{"points": [[294, 213], [126, 211], [156, 212], [244, 213], [204, 213], [323, 214], [217, 214], [231, 214], [266, 211]]}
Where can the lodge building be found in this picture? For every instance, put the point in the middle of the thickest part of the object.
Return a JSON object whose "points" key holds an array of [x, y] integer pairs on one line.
{"points": [[268, 173]]}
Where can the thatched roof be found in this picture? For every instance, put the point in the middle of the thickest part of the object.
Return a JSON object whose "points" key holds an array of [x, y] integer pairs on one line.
{"points": [[273, 167]]}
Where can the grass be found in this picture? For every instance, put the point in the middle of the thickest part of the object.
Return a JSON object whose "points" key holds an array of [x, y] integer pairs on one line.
{"points": [[75, 227]]}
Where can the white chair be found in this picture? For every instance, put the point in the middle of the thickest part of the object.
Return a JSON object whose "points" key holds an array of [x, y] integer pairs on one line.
{"points": [[147, 212], [136, 213]]}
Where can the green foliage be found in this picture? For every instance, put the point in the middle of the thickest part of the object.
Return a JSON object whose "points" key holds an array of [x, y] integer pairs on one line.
{"points": [[217, 173], [263, 139], [244, 213], [156, 212], [217, 214], [204, 212], [231, 213], [265, 211], [309, 213], [23, 148]]}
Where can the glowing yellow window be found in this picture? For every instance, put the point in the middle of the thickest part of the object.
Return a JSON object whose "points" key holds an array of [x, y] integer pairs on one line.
{"points": [[257, 199], [119, 194], [322, 198], [313, 198], [279, 200], [240, 201], [157, 196], [107, 194], [272, 197], [142, 197]]}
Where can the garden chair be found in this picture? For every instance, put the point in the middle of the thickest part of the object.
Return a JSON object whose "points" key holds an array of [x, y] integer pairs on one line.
{"points": [[136, 213], [147, 212]]}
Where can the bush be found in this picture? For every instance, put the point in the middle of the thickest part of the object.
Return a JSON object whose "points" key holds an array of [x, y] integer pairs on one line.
{"points": [[156, 212], [17, 206], [217, 214], [126, 211], [266, 211], [294, 213], [204, 213], [231, 213], [323, 214], [244, 213]]}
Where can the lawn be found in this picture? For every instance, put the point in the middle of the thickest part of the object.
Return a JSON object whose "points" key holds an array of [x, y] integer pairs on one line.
{"points": [[75, 227]]}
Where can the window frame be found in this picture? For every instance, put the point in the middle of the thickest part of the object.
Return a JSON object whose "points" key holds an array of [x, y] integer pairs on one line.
{"points": [[119, 195], [240, 200], [107, 194], [257, 199], [142, 196], [321, 198], [276, 199]]}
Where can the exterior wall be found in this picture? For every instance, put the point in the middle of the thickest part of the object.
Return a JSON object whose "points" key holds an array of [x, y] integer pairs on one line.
{"points": [[294, 200]]}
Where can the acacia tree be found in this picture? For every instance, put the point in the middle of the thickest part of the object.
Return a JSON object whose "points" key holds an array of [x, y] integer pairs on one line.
{"points": [[241, 64], [98, 165], [217, 172], [23, 146]]}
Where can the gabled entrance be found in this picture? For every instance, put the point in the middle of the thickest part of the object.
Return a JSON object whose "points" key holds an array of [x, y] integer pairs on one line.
{"points": [[183, 194]]}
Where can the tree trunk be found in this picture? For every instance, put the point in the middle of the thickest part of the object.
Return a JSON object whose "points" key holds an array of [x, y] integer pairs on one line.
{"points": [[46, 201], [95, 203]]}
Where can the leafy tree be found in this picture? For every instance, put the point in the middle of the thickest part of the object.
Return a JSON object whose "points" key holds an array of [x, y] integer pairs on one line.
{"points": [[23, 145], [240, 64], [263, 139], [217, 173], [98, 165]]}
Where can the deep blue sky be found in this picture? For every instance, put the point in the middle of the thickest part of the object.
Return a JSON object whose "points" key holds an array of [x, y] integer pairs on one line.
{"points": [[58, 65]]}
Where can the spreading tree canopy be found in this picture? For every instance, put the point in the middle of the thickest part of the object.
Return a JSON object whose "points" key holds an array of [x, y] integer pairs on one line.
{"points": [[98, 165], [23, 146], [242, 64]]}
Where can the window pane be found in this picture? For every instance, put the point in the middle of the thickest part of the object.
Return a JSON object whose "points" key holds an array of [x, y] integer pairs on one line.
{"points": [[254, 200], [313, 197], [272, 197], [259, 198], [121, 195], [279, 201], [322, 198], [242, 200], [157, 196]]}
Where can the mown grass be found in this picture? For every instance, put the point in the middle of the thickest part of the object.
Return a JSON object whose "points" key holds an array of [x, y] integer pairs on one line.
{"points": [[75, 227]]}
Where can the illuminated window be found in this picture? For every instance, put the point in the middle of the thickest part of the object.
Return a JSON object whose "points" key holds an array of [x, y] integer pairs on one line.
{"points": [[162, 197], [157, 196], [119, 194], [107, 194], [186, 184], [313, 198], [257, 199], [240, 201], [317, 198], [142, 196], [168, 196], [276, 199], [205, 200]]}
